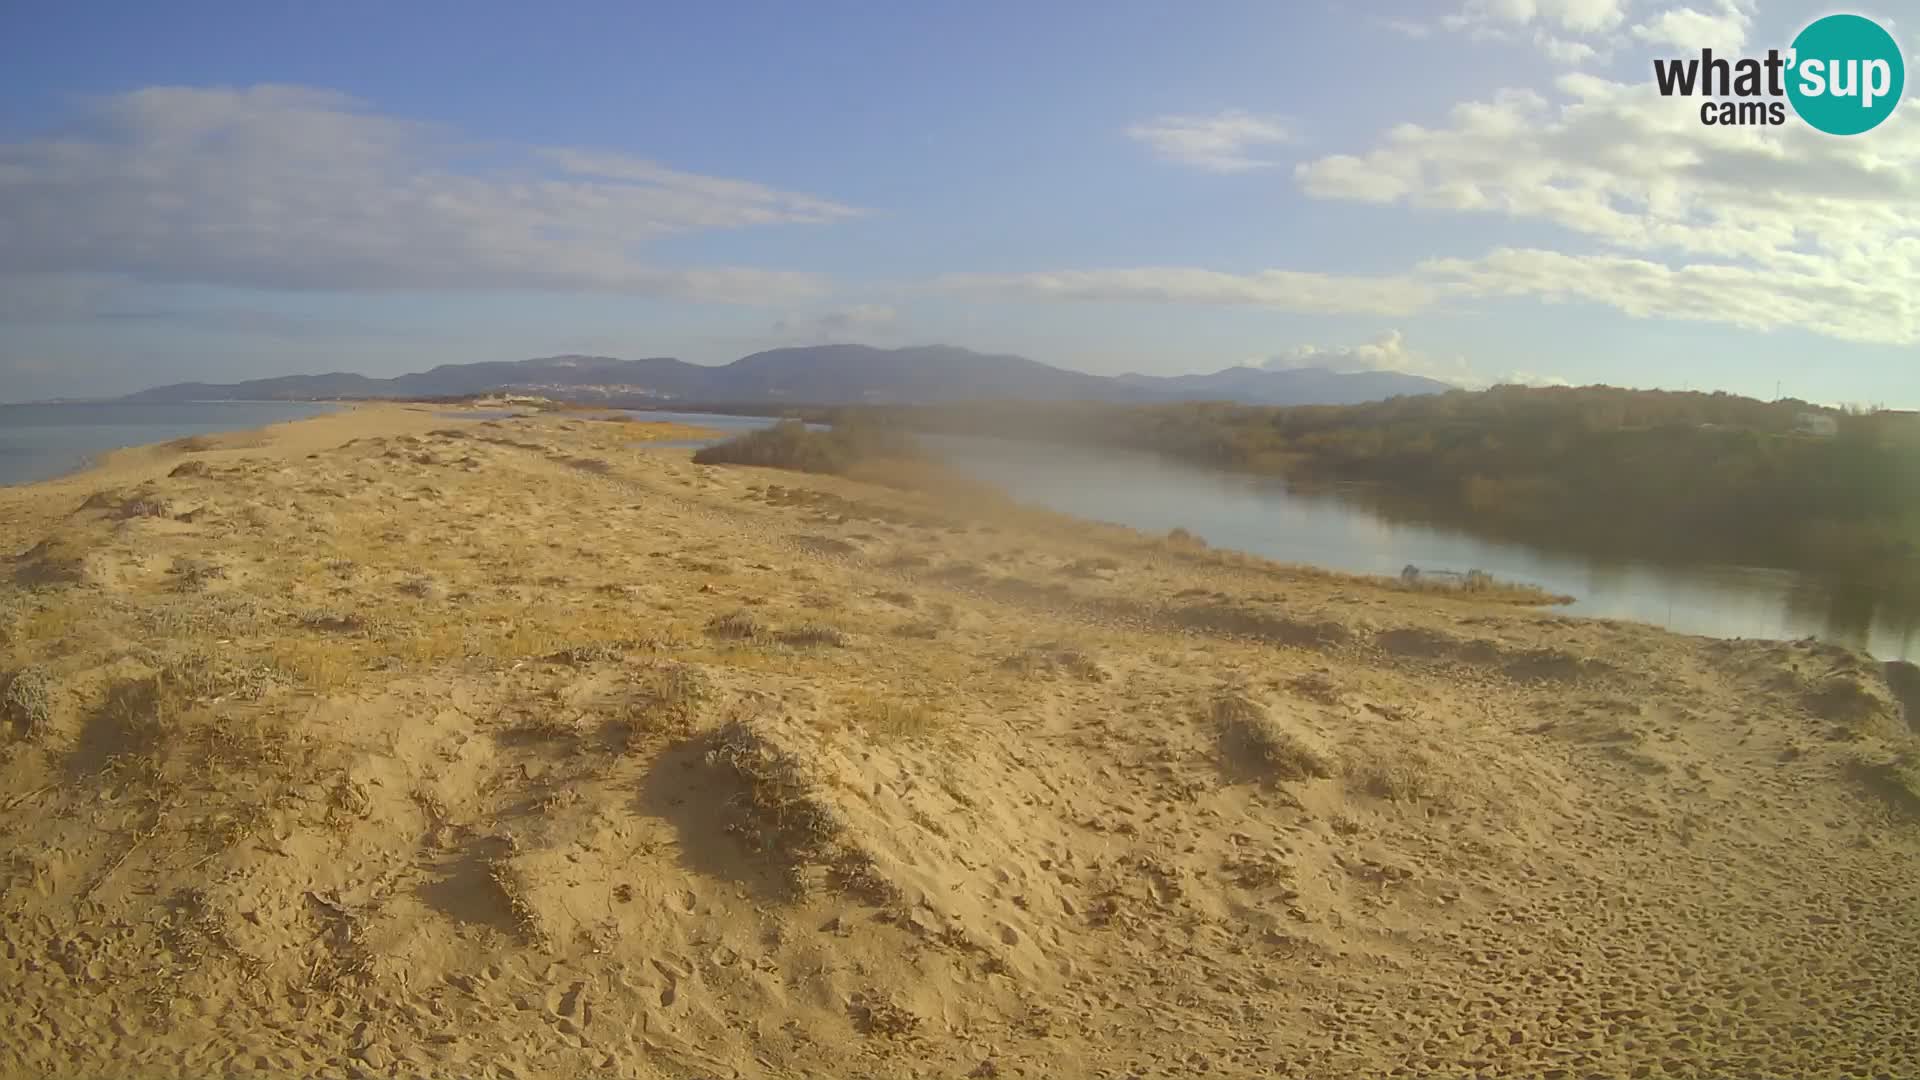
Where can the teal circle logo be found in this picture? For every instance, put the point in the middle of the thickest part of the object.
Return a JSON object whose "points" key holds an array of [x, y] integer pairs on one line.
{"points": [[1846, 74]]}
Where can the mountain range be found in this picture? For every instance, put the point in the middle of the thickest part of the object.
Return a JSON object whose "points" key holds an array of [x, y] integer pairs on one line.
{"points": [[819, 375]]}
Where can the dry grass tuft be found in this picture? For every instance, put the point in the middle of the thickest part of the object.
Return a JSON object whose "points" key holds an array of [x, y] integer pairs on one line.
{"points": [[345, 959], [741, 625], [323, 667], [227, 614], [422, 586], [1316, 686], [56, 560], [598, 652], [192, 574], [334, 622], [890, 718], [1895, 779], [512, 894], [1251, 737], [26, 701], [430, 644], [782, 813], [812, 634], [1055, 658], [1182, 540], [541, 727], [1858, 703], [205, 674], [1402, 776], [667, 699], [137, 719], [1090, 567], [922, 629]]}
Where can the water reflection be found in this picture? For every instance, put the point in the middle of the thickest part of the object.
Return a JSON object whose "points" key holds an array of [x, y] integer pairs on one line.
{"points": [[1363, 530], [1355, 528]]}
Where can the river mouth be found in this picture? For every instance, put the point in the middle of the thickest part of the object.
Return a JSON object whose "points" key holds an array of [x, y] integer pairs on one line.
{"points": [[1358, 529]]}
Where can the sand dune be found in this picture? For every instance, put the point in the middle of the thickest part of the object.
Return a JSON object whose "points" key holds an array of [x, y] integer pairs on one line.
{"points": [[384, 744]]}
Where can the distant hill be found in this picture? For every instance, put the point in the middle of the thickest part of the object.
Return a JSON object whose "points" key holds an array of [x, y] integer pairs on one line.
{"points": [[819, 375], [660, 377]]}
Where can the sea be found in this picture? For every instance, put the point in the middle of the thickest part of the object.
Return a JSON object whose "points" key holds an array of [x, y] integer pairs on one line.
{"points": [[42, 441]]}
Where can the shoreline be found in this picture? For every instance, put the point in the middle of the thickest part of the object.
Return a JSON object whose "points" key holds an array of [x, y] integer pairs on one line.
{"points": [[1514, 595], [98, 459]]}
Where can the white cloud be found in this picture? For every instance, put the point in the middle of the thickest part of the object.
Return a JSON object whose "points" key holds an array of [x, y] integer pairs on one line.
{"points": [[1286, 290], [858, 323], [1760, 298], [1391, 352], [1528, 378], [1578, 32], [1388, 352], [298, 188], [1405, 27], [1750, 297], [1565, 51], [1723, 29], [1756, 227], [1223, 142], [1576, 16]]}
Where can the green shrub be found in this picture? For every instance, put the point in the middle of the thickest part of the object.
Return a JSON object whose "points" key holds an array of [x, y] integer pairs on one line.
{"points": [[790, 444]]}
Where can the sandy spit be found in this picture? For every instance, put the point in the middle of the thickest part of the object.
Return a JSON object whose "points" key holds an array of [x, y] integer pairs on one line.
{"points": [[388, 744]]}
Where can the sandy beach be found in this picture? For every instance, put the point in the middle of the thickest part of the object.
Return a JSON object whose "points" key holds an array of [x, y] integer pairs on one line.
{"points": [[392, 744]]}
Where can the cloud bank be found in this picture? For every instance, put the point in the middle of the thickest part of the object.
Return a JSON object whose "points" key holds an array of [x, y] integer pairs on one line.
{"points": [[296, 188]]}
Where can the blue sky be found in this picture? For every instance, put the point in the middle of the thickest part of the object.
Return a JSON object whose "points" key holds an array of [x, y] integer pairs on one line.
{"points": [[1481, 190]]}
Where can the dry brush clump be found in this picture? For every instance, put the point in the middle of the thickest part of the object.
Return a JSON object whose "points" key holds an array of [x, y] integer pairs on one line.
{"points": [[1894, 778], [887, 717], [1251, 738], [1090, 567], [814, 634], [1055, 658], [322, 666], [209, 675], [783, 814], [921, 629], [138, 719], [741, 625], [55, 560], [1399, 775], [334, 622], [541, 727], [511, 891], [26, 701], [1860, 702], [666, 699], [1181, 540]]}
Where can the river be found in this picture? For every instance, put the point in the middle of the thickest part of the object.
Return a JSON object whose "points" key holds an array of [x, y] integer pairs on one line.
{"points": [[1341, 529]]}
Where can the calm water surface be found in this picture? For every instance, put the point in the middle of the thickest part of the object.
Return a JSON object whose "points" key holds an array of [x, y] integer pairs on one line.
{"points": [[1340, 529], [40, 441]]}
